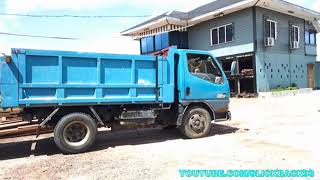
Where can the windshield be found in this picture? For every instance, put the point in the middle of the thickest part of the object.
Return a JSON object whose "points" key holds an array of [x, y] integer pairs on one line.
{"points": [[204, 67]]}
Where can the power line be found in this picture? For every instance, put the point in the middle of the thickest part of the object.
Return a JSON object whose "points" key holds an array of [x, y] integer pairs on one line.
{"points": [[38, 36], [73, 16]]}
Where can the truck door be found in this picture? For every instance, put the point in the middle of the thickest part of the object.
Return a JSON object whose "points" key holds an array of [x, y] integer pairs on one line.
{"points": [[204, 80]]}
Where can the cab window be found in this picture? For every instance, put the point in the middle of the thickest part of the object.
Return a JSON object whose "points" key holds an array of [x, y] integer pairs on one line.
{"points": [[204, 67]]}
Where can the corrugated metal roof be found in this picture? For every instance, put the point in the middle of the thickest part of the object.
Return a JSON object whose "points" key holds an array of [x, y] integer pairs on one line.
{"points": [[148, 21], [215, 5], [173, 14]]}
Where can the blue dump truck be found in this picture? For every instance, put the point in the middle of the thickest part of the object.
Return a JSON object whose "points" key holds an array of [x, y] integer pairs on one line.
{"points": [[77, 93]]}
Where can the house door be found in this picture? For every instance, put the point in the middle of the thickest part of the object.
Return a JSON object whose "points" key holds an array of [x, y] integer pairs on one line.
{"points": [[311, 76]]}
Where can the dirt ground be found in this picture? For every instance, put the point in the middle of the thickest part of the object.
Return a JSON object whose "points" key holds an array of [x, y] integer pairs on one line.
{"points": [[265, 133]]}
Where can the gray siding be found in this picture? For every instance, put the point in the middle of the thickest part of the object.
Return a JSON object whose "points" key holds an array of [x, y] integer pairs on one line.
{"points": [[278, 65], [317, 75], [199, 35], [311, 50], [282, 42]]}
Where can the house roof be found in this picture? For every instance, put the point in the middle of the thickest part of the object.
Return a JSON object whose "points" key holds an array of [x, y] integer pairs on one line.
{"points": [[213, 6], [220, 8], [171, 14]]}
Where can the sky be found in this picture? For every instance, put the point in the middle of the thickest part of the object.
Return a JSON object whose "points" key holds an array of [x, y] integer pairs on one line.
{"points": [[92, 34]]}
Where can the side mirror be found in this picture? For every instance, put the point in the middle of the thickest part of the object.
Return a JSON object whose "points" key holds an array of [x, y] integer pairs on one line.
{"points": [[8, 59]]}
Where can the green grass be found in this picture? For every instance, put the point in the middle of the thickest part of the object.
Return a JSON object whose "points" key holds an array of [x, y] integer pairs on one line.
{"points": [[279, 89]]}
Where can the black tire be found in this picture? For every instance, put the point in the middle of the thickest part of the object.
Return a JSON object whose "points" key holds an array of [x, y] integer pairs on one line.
{"points": [[75, 133], [196, 123]]}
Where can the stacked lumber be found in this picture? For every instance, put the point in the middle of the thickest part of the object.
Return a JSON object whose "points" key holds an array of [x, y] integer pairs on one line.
{"points": [[24, 130], [8, 117], [247, 72], [11, 124], [246, 95]]}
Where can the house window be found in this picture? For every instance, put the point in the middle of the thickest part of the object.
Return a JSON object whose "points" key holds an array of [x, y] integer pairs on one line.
{"points": [[310, 37], [150, 43], [143, 43], [270, 29], [158, 41], [222, 34], [295, 34], [161, 41], [147, 45]]}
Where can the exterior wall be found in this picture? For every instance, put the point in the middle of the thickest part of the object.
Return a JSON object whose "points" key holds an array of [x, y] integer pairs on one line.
{"points": [[283, 70], [200, 38], [279, 65], [317, 75], [311, 50]]}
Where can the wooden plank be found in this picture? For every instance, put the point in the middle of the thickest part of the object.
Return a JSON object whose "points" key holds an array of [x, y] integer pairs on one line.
{"points": [[30, 127], [24, 130], [11, 121], [11, 110], [8, 115], [18, 130], [44, 131], [3, 119], [8, 132], [13, 125]]}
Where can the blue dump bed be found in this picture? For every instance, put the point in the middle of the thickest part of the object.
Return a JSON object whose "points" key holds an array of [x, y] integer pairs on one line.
{"points": [[42, 78]]}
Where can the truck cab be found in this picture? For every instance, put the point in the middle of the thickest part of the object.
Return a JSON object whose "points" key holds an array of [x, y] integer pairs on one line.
{"points": [[202, 80], [202, 91]]}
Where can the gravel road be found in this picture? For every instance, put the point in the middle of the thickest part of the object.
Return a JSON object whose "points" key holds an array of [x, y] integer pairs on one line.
{"points": [[265, 133]]}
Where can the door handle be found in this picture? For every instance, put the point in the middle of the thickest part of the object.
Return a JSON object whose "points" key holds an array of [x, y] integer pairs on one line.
{"points": [[188, 91]]}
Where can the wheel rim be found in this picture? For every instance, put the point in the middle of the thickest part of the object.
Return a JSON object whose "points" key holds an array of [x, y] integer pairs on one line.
{"points": [[197, 123], [76, 133]]}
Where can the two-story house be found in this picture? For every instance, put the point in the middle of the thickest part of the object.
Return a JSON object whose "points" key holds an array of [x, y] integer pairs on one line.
{"points": [[261, 44]]}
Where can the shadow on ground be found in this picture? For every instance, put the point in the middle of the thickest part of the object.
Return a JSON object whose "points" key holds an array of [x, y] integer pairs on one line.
{"points": [[104, 140]]}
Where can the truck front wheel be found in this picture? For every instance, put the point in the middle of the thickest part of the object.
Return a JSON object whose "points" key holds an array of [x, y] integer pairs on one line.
{"points": [[75, 133], [196, 123]]}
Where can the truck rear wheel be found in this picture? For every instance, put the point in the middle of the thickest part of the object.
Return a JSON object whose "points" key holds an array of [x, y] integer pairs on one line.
{"points": [[196, 123], [75, 133]]}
